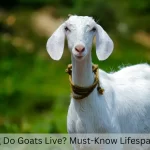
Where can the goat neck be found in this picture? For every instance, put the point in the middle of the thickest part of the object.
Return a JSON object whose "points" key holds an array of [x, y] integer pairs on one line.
{"points": [[82, 74]]}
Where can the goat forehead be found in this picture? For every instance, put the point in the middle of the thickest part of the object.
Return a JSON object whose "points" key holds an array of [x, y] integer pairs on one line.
{"points": [[80, 21]]}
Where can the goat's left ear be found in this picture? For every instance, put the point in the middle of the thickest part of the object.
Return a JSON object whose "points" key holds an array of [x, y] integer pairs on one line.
{"points": [[55, 44], [104, 44]]}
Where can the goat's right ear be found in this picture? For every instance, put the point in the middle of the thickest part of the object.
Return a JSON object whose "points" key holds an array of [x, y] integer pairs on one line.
{"points": [[55, 44]]}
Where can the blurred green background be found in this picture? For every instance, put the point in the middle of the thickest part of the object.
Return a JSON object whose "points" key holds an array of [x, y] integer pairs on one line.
{"points": [[34, 89]]}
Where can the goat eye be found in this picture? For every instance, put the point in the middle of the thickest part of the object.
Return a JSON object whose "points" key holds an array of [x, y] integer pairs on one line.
{"points": [[93, 29], [67, 29]]}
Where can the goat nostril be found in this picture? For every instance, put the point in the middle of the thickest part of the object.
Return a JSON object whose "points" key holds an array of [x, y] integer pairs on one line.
{"points": [[76, 49], [79, 48], [83, 49]]}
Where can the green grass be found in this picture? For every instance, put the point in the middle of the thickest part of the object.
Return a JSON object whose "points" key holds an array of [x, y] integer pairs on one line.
{"points": [[34, 89]]}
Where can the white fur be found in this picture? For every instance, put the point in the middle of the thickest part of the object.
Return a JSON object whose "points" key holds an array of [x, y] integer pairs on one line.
{"points": [[125, 105]]}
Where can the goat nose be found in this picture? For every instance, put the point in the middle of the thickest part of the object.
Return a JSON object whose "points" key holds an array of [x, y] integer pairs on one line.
{"points": [[80, 48]]}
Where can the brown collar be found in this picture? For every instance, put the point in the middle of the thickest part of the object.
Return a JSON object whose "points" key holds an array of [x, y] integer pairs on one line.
{"points": [[79, 92]]}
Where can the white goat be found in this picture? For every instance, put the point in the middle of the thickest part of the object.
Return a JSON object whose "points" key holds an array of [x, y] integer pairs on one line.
{"points": [[125, 105]]}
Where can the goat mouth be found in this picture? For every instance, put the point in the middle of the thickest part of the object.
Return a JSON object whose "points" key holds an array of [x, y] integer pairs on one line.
{"points": [[79, 57]]}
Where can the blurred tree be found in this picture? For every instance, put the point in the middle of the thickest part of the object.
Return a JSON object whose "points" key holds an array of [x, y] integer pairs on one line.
{"points": [[100, 10], [8, 5], [135, 13], [57, 3], [140, 13]]}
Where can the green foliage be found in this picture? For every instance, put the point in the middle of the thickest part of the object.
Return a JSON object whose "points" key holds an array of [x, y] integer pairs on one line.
{"points": [[135, 13], [34, 90], [140, 12], [100, 10]]}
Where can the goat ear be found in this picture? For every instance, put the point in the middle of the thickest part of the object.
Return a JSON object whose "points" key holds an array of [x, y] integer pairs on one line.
{"points": [[55, 44], [104, 45]]}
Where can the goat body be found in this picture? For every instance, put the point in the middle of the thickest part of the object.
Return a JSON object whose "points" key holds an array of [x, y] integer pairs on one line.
{"points": [[125, 105]]}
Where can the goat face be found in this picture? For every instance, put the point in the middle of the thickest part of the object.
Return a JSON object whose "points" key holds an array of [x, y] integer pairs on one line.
{"points": [[80, 31]]}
